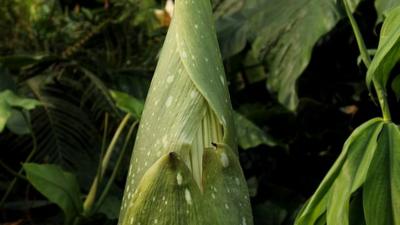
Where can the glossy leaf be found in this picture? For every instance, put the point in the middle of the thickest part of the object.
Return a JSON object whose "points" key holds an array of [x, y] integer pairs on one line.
{"points": [[9, 101], [128, 103], [384, 6], [184, 168], [352, 175], [381, 193], [346, 175], [388, 52], [249, 135], [283, 33], [58, 186], [18, 122]]}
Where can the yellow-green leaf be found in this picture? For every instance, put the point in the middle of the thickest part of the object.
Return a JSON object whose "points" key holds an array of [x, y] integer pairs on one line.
{"points": [[388, 52], [381, 194], [346, 175]]}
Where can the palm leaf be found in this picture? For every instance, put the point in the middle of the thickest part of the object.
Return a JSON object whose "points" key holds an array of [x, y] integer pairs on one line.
{"points": [[65, 133]]}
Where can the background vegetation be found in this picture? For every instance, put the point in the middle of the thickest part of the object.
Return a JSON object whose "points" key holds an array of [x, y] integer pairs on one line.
{"points": [[294, 74]]}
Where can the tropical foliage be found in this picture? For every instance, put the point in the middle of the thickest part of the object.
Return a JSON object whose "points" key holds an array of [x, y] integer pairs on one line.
{"points": [[296, 79]]}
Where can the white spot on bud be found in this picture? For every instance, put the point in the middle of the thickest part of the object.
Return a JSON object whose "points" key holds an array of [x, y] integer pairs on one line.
{"points": [[193, 94], [184, 55], [222, 80], [169, 101], [226, 206], [179, 178], [170, 79], [188, 197], [165, 140], [237, 181], [224, 159]]}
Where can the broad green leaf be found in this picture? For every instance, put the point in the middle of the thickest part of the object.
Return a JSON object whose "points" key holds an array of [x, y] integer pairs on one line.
{"points": [[384, 6], [381, 194], [185, 155], [388, 52], [249, 135], [321, 202], [18, 122], [283, 33], [58, 186], [128, 103], [9, 101], [352, 175]]}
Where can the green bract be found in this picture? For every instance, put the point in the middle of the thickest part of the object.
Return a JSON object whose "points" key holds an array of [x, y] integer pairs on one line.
{"points": [[185, 168]]}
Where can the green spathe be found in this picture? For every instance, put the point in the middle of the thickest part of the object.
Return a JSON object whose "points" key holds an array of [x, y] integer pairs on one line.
{"points": [[184, 168]]}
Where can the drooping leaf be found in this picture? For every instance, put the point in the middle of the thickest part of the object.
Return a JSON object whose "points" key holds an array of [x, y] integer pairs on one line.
{"points": [[381, 194], [9, 101], [184, 168], [128, 103], [346, 173], [249, 135], [352, 175], [18, 122], [384, 6], [388, 52], [283, 33], [58, 186]]}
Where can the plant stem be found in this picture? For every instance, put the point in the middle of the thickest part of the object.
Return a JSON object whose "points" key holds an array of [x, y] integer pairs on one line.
{"points": [[360, 41], [380, 91], [88, 204], [31, 154], [11, 171], [116, 168]]}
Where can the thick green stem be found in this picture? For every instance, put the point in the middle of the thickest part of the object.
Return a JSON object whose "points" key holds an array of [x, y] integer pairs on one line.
{"points": [[380, 91], [88, 204]]}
